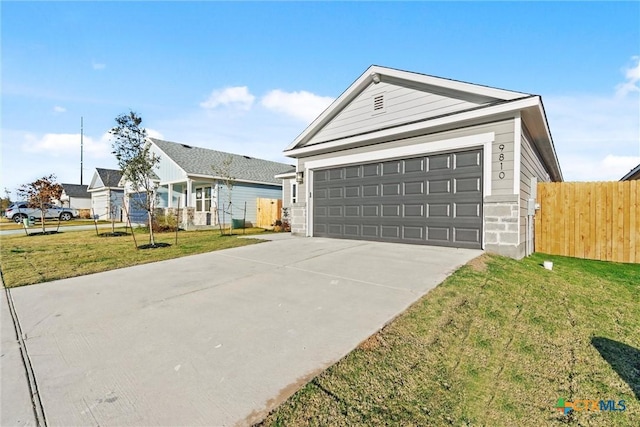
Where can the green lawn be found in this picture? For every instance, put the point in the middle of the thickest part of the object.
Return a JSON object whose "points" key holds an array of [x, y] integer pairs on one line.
{"points": [[26, 260], [497, 344]]}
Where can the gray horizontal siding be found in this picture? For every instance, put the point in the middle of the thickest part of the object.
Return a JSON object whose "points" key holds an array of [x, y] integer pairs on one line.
{"points": [[402, 105], [531, 166]]}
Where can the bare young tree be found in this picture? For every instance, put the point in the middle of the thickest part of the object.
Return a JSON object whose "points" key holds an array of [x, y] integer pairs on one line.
{"points": [[223, 171], [136, 161], [40, 193]]}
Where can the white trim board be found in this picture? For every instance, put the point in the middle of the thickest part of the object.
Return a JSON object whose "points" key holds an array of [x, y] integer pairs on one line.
{"points": [[484, 140]]}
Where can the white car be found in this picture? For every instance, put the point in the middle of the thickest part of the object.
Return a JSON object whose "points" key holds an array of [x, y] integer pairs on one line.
{"points": [[20, 210]]}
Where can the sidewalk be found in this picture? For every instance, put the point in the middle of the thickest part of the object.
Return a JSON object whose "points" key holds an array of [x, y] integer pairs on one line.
{"points": [[16, 408]]}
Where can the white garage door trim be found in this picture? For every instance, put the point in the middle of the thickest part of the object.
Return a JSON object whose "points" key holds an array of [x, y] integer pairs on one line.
{"points": [[485, 140]]}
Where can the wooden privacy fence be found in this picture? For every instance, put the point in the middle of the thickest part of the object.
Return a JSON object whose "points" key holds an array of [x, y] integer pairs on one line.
{"points": [[268, 212], [594, 220]]}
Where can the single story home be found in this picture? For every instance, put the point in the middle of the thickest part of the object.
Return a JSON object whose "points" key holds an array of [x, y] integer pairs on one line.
{"points": [[632, 174], [194, 179], [411, 158], [107, 194], [75, 196]]}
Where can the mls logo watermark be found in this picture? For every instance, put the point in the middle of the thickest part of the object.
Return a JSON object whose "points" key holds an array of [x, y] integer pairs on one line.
{"points": [[566, 406]]}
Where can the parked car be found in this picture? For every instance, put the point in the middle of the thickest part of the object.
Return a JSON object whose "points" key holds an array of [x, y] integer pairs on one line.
{"points": [[20, 210]]}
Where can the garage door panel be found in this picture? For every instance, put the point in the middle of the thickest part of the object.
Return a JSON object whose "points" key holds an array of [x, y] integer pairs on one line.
{"points": [[413, 188], [371, 190], [352, 191], [466, 235], [352, 172], [438, 162], [438, 210], [413, 233], [439, 186], [391, 210], [466, 185], [466, 210], [414, 165], [466, 160], [392, 189], [370, 231], [371, 170], [434, 199], [336, 192], [413, 210]]}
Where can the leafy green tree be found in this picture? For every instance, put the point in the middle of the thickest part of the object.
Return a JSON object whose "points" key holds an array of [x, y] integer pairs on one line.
{"points": [[41, 193], [137, 162]]}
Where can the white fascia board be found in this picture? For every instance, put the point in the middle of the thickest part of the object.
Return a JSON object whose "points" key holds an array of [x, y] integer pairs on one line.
{"points": [[285, 175], [517, 153], [543, 116], [475, 89], [413, 127]]}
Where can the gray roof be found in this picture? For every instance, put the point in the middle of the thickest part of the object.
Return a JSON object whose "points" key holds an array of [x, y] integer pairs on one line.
{"points": [[76, 190], [202, 161], [110, 177], [633, 174]]}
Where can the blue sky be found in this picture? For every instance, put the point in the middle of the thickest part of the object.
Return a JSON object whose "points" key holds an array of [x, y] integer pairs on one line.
{"points": [[249, 77]]}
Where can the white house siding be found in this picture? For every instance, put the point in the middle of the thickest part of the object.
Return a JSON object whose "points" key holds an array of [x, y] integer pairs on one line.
{"points": [[167, 170], [531, 166], [249, 193], [402, 104], [102, 202]]}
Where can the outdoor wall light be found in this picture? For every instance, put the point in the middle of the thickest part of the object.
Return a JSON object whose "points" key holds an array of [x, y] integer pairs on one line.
{"points": [[375, 77], [300, 177]]}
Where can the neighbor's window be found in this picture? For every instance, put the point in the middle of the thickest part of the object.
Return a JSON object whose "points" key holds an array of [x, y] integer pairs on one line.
{"points": [[294, 192], [203, 199]]}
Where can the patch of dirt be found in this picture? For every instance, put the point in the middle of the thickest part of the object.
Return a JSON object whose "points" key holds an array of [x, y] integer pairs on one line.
{"points": [[113, 234], [479, 264], [46, 233], [155, 246], [373, 342]]}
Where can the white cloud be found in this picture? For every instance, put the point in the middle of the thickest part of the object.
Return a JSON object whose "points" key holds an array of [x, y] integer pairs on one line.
{"points": [[238, 96], [67, 144], [152, 133], [577, 167], [98, 66], [597, 137], [59, 109], [632, 79], [302, 105]]}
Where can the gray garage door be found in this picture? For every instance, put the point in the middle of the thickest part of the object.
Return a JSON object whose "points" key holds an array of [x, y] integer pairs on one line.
{"points": [[432, 200]]}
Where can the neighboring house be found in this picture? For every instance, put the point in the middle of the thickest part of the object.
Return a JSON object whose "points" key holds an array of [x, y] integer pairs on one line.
{"points": [[107, 194], [632, 175], [410, 158], [75, 196], [190, 177]]}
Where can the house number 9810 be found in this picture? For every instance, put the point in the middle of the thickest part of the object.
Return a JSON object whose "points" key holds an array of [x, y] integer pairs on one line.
{"points": [[501, 175]]}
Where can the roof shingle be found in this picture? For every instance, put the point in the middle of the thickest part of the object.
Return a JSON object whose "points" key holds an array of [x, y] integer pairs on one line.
{"points": [[202, 161]]}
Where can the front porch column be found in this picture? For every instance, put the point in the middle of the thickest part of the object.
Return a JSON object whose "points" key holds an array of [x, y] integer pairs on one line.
{"points": [[189, 190], [170, 198]]}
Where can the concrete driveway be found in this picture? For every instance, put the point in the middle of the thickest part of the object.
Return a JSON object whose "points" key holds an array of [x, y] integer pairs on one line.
{"points": [[213, 339]]}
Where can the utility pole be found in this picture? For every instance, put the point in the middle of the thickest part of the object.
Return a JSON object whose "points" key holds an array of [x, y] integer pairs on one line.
{"points": [[81, 146]]}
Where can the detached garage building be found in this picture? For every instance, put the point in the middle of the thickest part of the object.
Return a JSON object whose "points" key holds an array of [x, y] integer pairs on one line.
{"points": [[410, 158]]}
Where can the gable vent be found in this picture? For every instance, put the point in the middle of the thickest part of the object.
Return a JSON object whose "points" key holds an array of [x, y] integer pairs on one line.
{"points": [[378, 103]]}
